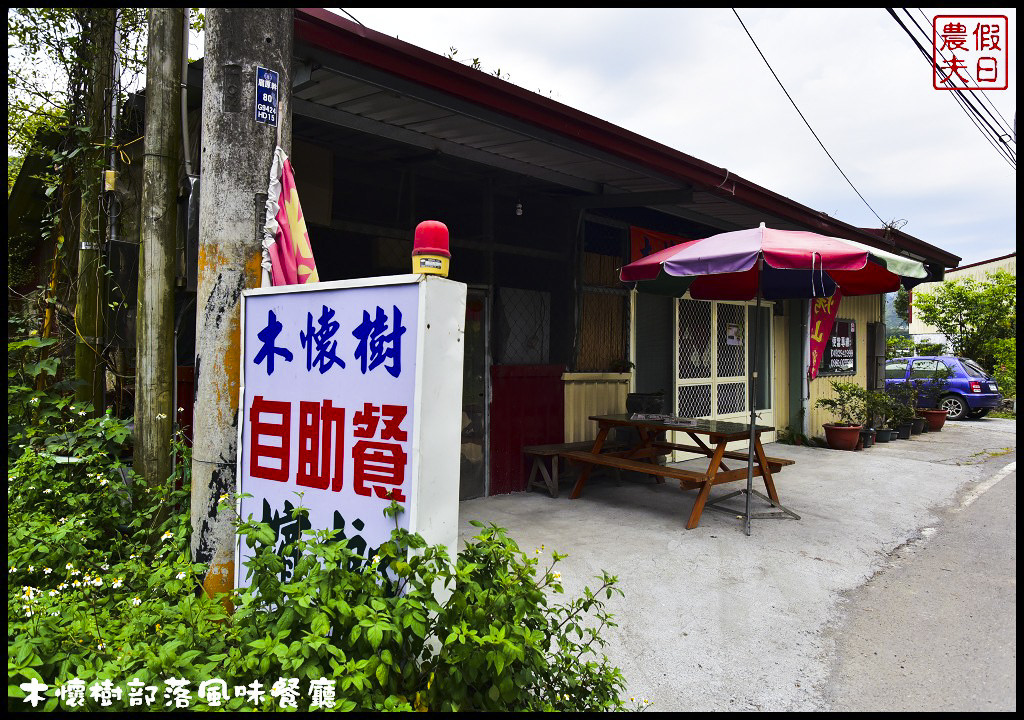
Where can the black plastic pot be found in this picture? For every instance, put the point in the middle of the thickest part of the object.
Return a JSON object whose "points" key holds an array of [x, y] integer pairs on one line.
{"points": [[918, 425], [884, 435], [647, 403], [903, 430], [867, 437]]}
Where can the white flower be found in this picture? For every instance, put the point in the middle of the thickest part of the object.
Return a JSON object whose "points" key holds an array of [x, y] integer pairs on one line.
{"points": [[103, 482], [117, 583], [180, 576], [161, 416], [82, 412], [12, 569], [47, 491], [136, 602], [167, 535], [54, 593], [34, 401], [100, 646], [47, 571], [31, 568], [181, 409]]}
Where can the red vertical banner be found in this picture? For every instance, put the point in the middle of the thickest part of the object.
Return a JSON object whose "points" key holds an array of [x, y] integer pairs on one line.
{"points": [[823, 315]]}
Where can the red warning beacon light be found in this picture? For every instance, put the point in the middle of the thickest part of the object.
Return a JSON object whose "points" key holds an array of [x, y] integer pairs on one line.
{"points": [[430, 254]]}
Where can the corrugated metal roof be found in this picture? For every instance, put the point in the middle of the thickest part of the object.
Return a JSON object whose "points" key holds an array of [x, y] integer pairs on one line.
{"points": [[365, 81]]}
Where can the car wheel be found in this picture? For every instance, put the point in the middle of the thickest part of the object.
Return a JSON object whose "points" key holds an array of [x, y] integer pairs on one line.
{"points": [[978, 414], [955, 407]]}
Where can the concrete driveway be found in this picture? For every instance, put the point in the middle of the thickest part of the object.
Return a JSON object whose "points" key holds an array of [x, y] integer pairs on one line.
{"points": [[715, 620]]}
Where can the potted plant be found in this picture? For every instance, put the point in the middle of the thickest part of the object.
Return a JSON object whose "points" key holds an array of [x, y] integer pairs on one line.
{"points": [[929, 392], [902, 398], [876, 411], [847, 404]]}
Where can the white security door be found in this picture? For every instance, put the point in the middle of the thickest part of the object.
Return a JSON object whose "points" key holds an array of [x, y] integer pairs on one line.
{"points": [[712, 364]]}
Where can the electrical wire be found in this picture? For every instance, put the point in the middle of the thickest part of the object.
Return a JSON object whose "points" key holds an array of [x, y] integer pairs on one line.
{"points": [[805, 119], [971, 112]]}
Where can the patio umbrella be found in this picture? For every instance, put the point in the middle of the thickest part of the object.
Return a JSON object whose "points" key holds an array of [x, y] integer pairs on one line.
{"points": [[775, 265]]}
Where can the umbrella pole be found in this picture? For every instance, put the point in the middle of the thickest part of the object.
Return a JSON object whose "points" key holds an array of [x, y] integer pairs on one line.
{"points": [[753, 393]]}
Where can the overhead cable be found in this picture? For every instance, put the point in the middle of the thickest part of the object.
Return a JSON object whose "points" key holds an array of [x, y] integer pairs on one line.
{"points": [[805, 119]]}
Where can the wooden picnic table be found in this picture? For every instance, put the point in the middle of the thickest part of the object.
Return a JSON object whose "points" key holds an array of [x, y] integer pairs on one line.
{"points": [[641, 455]]}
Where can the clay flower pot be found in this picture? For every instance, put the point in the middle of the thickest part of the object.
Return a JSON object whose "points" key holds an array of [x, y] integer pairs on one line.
{"points": [[842, 437], [936, 418]]}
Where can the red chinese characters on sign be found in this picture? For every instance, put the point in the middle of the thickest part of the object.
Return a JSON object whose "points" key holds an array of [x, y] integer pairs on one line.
{"points": [[970, 52], [379, 456], [321, 429], [280, 430], [823, 314], [379, 460]]}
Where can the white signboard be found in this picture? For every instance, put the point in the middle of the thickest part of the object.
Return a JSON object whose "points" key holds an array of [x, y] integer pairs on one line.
{"points": [[332, 407]]}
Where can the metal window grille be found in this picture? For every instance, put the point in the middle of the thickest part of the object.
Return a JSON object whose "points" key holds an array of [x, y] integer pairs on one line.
{"points": [[524, 324], [694, 400], [732, 398], [731, 340], [695, 341]]}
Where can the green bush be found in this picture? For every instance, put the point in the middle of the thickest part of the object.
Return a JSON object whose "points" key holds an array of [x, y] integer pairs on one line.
{"points": [[902, 403], [1005, 368], [103, 596], [847, 403]]}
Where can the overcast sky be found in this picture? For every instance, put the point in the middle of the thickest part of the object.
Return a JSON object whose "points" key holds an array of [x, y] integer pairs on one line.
{"points": [[691, 79]]}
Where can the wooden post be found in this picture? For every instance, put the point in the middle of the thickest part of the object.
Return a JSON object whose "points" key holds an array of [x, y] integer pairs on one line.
{"points": [[235, 169], [154, 370], [88, 305]]}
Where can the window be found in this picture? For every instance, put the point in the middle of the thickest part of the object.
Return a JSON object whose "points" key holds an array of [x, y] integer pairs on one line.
{"points": [[923, 369], [972, 368], [896, 369]]}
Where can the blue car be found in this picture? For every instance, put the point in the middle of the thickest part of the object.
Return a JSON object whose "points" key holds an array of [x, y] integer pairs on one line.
{"points": [[972, 392]]}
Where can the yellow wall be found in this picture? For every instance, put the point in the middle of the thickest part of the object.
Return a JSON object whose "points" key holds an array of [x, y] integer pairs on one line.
{"points": [[861, 310], [589, 394]]}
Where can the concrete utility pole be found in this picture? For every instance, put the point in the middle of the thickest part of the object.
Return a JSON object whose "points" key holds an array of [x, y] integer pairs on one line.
{"points": [[154, 335], [235, 169], [88, 304]]}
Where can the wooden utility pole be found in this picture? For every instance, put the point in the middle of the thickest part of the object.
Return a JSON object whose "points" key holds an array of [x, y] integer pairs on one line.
{"points": [[89, 302], [236, 156], [154, 335]]}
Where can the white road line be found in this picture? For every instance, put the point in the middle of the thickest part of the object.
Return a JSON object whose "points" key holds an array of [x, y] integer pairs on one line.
{"points": [[987, 485]]}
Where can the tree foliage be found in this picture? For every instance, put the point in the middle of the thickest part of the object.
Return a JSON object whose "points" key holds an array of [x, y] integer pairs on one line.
{"points": [[973, 315]]}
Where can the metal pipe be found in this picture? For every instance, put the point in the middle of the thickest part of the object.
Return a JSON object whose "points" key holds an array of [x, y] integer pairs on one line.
{"points": [[753, 391], [184, 94]]}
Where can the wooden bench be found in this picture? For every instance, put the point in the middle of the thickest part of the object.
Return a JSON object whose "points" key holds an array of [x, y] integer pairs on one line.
{"points": [[776, 464], [620, 463], [543, 453]]}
